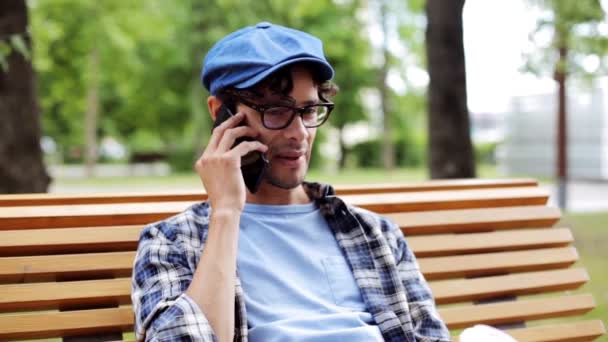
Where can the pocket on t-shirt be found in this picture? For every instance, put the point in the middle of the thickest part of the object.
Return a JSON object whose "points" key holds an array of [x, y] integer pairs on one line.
{"points": [[342, 283]]}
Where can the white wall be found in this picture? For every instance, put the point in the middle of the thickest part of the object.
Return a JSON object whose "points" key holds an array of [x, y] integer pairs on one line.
{"points": [[531, 126]]}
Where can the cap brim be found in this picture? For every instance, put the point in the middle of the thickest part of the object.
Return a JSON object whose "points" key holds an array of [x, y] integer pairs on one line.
{"points": [[327, 72]]}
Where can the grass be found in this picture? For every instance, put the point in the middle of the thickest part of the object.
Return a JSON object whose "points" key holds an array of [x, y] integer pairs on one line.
{"points": [[190, 180], [591, 240]]}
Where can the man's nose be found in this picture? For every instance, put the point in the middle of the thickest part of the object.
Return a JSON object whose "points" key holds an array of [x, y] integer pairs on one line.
{"points": [[296, 129]]}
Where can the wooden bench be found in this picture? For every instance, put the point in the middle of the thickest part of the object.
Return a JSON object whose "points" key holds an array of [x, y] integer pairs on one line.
{"points": [[65, 260]]}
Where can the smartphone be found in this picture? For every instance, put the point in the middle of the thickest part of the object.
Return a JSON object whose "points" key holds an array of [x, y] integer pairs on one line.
{"points": [[254, 164]]}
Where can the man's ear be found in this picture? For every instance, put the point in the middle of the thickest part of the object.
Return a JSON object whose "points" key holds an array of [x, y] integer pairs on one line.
{"points": [[214, 104]]}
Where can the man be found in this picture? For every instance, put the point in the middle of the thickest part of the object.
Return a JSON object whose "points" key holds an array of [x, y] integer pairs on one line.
{"points": [[291, 261]]}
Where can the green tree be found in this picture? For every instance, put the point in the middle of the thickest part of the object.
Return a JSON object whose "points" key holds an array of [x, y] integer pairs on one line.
{"points": [[112, 70], [576, 36], [22, 168], [450, 149], [136, 67]]}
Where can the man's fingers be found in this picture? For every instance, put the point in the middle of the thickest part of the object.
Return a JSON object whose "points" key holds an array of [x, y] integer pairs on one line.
{"points": [[232, 134], [218, 132], [248, 146]]}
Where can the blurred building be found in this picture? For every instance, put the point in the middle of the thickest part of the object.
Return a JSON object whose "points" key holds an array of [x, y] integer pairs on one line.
{"points": [[487, 127], [531, 134]]}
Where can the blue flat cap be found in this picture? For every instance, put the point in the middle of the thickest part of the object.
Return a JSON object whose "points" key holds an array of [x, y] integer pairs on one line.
{"points": [[247, 56]]}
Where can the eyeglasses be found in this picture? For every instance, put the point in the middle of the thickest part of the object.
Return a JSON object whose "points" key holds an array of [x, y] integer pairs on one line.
{"points": [[279, 117]]}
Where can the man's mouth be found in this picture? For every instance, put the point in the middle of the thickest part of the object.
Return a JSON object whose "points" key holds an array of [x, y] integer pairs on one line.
{"points": [[290, 155]]}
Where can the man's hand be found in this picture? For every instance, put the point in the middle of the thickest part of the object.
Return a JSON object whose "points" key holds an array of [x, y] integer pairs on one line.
{"points": [[213, 283], [219, 167]]}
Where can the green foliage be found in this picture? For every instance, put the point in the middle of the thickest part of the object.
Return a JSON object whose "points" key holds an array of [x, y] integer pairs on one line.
{"points": [[573, 25], [9, 44], [485, 152], [182, 160], [5, 50], [150, 55], [369, 154], [20, 46]]}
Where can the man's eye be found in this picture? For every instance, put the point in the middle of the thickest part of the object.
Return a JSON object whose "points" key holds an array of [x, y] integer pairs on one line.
{"points": [[277, 111]]}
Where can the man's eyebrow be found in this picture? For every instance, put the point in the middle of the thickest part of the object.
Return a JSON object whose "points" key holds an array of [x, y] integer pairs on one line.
{"points": [[310, 102]]}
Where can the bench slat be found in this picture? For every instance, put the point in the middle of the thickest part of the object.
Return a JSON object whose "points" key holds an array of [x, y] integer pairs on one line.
{"points": [[140, 213], [516, 311], [67, 323], [141, 197], [68, 240], [448, 244], [53, 324], [119, 264], [125, 238], [452, 291], [563, 332], [496, 263], [446, 200], [117, 291], [62, 295], [479, 219], [64, 267], [581, 331]]}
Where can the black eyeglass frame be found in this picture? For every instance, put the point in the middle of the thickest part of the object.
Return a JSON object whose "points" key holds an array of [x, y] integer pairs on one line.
{"points": [[295, 110]]}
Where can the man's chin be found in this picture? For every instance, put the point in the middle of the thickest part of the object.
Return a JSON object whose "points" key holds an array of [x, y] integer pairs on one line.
{"points": [[288, 179], [285, 184]]}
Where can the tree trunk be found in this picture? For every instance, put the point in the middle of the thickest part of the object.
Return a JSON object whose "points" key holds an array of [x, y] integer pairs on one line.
{"points": [[22, 168], [343, 149], [388, 149], [562, 137], [92, 114], [450, 148]]}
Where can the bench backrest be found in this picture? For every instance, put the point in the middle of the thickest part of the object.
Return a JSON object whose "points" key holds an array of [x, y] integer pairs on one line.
{"points": [[492, 254]]}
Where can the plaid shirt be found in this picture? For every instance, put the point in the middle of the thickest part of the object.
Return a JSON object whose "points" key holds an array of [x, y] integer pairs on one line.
{"points": [[384, 267]]}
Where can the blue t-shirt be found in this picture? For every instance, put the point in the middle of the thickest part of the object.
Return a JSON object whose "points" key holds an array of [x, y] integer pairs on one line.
{"points": [[297, 283]]}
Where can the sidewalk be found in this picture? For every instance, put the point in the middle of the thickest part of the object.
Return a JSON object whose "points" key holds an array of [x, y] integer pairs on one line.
{"points": [[582, 196]]}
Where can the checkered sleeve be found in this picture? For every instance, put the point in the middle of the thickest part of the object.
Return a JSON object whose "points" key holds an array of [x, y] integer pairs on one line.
{"points": [[161, 275], [428, 326]]}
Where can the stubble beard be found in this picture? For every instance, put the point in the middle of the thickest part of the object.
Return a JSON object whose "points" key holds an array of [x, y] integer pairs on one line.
{"points": [[286, 184], [291, 181]]}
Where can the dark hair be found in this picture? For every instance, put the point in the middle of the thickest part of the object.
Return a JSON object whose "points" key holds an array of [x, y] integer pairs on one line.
{"points": [[278, 86]]}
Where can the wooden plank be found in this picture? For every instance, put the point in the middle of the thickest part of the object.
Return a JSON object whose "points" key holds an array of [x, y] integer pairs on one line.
{"points": [[446, 200], [34, 217], [66, 267], [200, 195], [119, 264], [68, 240], [52, 216], [478, 219], [100, 198], [495, 263], [55, 324], [62, 295], [452, 291], [450, 244], [516, 311], [68, 323], [117, 291], [581, 331], [564, 332], [125, 238]]}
